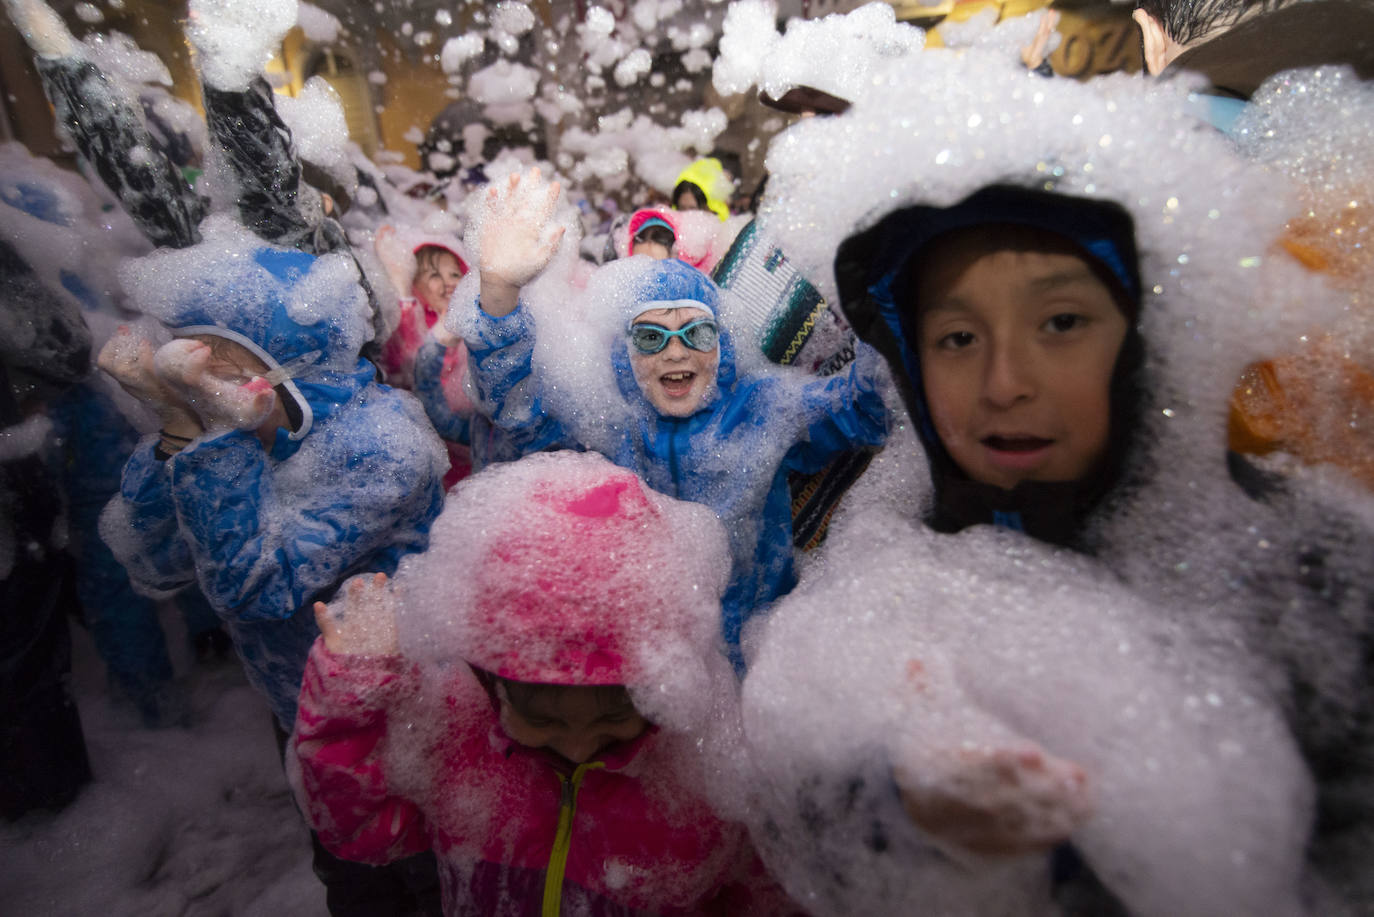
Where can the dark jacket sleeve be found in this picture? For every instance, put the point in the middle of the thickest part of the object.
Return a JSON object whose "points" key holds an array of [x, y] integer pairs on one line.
{"points": [[110, 134], [256, 145]]}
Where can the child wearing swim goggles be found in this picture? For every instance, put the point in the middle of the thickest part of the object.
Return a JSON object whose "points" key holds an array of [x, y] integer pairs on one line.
{"points": [[648, 338], [696, 428]]}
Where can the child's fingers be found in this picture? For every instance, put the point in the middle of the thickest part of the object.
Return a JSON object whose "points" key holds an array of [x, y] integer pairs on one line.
{"points": [[550, 202], [324, 619], [262, 399], [548, 248], [377, 593]]}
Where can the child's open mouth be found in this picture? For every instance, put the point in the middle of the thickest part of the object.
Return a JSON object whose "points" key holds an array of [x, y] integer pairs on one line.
{"points": [[675, 385], [1016, 444]]}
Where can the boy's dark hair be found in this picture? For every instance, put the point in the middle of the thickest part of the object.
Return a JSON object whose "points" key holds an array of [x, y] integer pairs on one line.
{"points": [[995, 237], [1187, 21], [698, 194], [522, 694], [657, 233]]}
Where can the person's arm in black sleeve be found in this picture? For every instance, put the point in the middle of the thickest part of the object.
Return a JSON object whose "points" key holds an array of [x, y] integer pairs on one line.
{"points": [[107, 127], [256, 145], [110, 134]]}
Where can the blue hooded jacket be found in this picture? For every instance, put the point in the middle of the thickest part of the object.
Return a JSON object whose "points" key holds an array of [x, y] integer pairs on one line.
{"points": [[268, 532], [734, 454]]}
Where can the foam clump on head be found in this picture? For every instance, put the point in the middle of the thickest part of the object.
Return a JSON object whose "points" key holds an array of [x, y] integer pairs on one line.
{"points": [[320, 130], [564, 568], [286, 302]]}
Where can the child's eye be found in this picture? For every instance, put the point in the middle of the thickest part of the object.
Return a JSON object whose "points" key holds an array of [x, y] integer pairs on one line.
{"points": [[955, 340], [1065, 321], [535, 722]]}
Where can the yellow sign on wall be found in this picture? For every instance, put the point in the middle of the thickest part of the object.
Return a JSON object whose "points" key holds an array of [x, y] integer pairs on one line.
{"points": [[1096, 41]]}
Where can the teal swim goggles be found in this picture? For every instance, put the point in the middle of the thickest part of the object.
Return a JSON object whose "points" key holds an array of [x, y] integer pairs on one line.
{"points": [[702, 335]]}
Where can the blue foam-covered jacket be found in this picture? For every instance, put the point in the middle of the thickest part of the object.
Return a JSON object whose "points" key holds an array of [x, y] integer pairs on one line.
{"points": [[734, 454], [268, 533]]}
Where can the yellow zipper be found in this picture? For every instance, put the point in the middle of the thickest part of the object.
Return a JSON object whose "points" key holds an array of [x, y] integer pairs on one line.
{"points": [[562, 841]]}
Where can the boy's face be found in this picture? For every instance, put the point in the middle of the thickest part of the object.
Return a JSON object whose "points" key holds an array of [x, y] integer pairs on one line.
{"points": [[436, 279], [1017, 348], [578, 722], [676, 379]]}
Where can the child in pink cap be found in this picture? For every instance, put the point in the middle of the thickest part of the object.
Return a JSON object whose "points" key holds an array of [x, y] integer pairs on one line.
{"points": [[526, 700]]}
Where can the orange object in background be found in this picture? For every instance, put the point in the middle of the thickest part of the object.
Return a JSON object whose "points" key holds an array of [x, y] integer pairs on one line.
{"points": [[1317, 405]]}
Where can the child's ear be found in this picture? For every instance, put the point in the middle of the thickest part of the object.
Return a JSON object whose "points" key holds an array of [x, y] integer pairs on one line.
{"points": [[1160, 49]]}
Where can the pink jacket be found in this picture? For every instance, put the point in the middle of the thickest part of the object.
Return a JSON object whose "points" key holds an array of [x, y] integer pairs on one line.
{"points": [[636, 841]]}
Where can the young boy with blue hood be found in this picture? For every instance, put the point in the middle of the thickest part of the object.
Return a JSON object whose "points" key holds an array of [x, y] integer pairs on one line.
{"points": [[281, 467], [1014, 313], [693, 427]]}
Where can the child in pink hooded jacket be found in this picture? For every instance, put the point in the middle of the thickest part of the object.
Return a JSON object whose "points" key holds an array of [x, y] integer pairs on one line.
{"points": [[429, 268], [526, 699]]}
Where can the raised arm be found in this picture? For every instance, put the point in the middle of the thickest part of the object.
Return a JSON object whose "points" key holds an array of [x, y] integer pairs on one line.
{"points": [[108, 130], [843, 412], [517, 239], [354, 676]]}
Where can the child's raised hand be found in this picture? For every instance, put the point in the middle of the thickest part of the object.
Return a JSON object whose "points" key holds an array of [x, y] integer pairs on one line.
{"points": [[184, 366], [1006, 801], [128, 358], [397, 260], [43, 29], [518, 236], [361, 621]]}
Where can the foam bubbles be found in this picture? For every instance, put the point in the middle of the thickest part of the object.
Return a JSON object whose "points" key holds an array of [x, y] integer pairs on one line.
{"points": [[564, 568], [928, 653], [319, 129], [459, 50], [833, 54], [235, 38]]}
